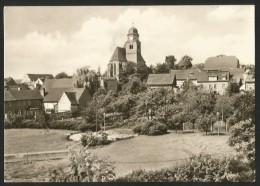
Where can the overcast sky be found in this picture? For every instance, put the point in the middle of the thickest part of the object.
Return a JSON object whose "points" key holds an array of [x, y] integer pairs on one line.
{"points": [[56, 39]]}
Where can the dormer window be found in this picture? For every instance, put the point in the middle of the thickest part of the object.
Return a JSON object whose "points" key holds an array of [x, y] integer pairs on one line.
{"points": [[224, 78], [213, 78]]}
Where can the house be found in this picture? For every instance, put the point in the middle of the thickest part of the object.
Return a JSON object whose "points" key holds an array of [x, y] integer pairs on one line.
{"points": [[22, 102], [160, 81], [131, 52], [250, 82], [35, 80], [182, 75], [9, 82], [215, 81], [60, 99], [57, 83]]}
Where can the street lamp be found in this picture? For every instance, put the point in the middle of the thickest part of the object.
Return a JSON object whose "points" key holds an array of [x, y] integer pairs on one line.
{"points": [[104, 114]]}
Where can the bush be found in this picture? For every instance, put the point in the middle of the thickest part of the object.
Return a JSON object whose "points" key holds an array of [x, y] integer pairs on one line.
{"points": [[196, 169], [83, 127], [7, 124], [91, 140], [151, 128], [83, 167], [65, 124]]}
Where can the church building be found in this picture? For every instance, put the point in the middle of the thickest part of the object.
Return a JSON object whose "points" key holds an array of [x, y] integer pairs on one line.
{"points": [[131, 52]]}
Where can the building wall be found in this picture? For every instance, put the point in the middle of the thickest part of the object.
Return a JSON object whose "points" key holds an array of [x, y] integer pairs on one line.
{"points": [[219, 87], [249, 86], [131, 53], [49, 106], [114, 69], [64, 103], [179, 83], [21, 105], [161, 86]]}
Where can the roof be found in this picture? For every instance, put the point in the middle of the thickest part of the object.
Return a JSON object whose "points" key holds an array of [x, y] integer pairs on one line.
{"points": [[72, 97], [132, 30], [12, 95], [9, 81], [34, 77], [160, 79], [119, 55], [204, 76], [184, 74], [221, 62], [54, 94], [58, 83]]}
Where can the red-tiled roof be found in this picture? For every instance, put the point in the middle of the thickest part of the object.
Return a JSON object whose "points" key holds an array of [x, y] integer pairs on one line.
{"points": [[160, 79], [11, 95], [119, 55], [221, 62]]}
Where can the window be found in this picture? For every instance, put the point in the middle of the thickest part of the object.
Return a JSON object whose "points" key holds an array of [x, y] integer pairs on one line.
{"points": [[114, 69], [19, 112], [215, 86], [210, 86], [213, 78], [224, 78], [131, 46], [223, 85]]}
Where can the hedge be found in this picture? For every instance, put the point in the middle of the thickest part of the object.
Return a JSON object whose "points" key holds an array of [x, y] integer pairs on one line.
{"points": [[151, 128]]}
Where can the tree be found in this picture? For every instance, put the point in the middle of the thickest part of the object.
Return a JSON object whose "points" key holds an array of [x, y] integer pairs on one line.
{"points": [[170, 61], [224, 103], [61, 75], [205, 121], [84, 76], [232, 88], [185, 62], [161, 68], [128, 69], [142, 71], [243, 140]]}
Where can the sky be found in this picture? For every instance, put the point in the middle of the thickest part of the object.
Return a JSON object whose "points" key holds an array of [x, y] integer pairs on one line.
{"points": [[56, 39]]}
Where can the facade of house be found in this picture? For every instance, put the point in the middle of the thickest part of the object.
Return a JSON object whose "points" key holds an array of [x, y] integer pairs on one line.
{"points": [[160, 81], [53, 102], [131, 52], [22, 102], [180, 76], [214, 81], [35, 80]]}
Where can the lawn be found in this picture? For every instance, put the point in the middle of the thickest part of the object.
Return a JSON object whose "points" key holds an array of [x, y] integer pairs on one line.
{"points": [[155, 151], [34, 140], [146, 152]]}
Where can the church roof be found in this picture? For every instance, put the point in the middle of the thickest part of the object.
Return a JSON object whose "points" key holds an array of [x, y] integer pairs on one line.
{"points": [[221, 62], [119, 55]]}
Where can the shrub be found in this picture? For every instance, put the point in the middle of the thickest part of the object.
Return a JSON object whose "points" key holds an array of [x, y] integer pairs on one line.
{"points": [[83, 127], [7, 124], [83, 167], [65, 124], [151, 128], [196, 169], [91, 140]]}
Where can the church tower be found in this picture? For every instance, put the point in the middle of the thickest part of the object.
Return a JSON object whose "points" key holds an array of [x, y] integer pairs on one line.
{"points": [[133, 45], [131, 52]]}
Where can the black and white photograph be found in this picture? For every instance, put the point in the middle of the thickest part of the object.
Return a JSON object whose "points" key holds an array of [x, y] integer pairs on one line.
{"points": [[129, 93]]}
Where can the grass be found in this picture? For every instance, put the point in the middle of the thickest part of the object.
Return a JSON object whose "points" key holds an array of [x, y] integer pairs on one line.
{"points": [[151, 149], [34, 140]]}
